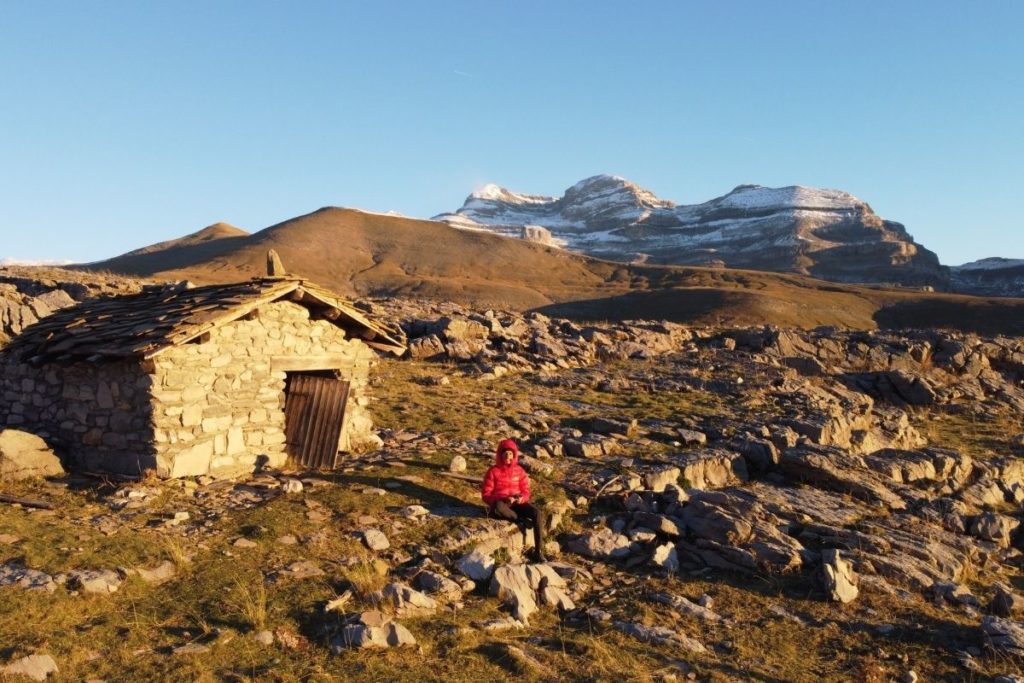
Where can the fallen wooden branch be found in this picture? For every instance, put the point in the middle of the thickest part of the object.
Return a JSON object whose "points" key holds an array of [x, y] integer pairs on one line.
{"points": [[26, 502], [606, 485]]}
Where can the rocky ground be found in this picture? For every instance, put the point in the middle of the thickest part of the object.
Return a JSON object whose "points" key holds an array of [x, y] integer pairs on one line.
{"points": [[725, 504]]}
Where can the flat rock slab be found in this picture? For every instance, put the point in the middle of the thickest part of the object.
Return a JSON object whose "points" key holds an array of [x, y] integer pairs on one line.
{"points": [[36, 667], [375, 539], [660, 635], [406, 601], [23, 577], [1004, 635], [360, 636], [101, 581], [476, 565], [165, 571]]}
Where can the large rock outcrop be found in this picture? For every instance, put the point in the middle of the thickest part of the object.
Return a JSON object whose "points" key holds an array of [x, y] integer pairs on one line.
{"points": [[825, 233]]}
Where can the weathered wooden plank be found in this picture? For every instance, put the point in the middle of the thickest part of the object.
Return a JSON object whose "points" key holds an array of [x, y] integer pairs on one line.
{"points": [[314, 417]]}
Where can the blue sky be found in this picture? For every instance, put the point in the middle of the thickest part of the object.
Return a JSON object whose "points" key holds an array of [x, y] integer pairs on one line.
{"points": [[127, 123]]}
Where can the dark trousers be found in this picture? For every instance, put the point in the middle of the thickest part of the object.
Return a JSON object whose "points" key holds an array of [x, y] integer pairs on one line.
{"points": [[525, 516]]}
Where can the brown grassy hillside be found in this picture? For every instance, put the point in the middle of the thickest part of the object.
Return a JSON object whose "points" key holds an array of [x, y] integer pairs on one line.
{"points": [[359, 253]]}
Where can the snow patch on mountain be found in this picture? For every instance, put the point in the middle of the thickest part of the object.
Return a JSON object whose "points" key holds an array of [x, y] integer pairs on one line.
{"points": [[993, 263], [822, 232]]}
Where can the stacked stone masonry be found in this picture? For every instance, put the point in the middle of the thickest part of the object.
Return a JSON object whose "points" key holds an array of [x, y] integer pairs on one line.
{"points": [[211, 406]]}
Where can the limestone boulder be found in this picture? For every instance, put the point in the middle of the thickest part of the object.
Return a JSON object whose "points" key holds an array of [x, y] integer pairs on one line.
{"points": [[1004, 635], [36, 667], [660, 635], [994, 527], [406, 600], [713, 469], [838, 576], [1005, 602], [24, 455], [602, 544]]}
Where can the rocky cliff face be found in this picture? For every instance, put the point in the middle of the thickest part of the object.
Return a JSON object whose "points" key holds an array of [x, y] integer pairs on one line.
{"points": [[828, 234], [990, 277]]}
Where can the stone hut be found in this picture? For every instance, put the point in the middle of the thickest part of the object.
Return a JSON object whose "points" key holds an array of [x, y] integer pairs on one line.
{"points": [[190, 381]]}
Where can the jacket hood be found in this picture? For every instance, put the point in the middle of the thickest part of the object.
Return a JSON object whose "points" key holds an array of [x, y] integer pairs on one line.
{"points": [[506, 445]]}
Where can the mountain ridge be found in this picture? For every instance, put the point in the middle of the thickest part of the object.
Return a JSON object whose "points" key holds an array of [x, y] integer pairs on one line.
{"points": [[830, 234], [358, 253]]}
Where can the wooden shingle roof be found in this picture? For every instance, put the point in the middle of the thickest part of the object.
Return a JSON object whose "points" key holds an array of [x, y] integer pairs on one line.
{"points": [[142, 325]]}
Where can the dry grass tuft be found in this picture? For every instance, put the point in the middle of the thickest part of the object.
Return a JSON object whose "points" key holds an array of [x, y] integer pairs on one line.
{"points": [[175, 551], [250, 603], [366, 577]]}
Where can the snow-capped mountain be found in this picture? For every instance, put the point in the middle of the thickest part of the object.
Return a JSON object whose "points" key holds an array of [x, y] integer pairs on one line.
{"points": [[990, 277], [829, 234]]}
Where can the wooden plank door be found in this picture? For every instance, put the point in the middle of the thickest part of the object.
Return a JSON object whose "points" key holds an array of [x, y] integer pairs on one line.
{"points": [[314, 411]]}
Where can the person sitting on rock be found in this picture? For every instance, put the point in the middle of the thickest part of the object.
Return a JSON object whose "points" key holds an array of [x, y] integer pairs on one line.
{"points": [[506, 490]]}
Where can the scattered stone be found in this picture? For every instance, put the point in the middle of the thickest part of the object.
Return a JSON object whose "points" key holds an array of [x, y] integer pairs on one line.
{"points": [[102, 581], [994, 527], [264, 638], [1005, 602], [660, 635], [691, 437], [415, 512], [432, 582], [24, 455], [510, 584], [665, 557], [657, 480], [244, 543], [685, 606], [909, 677], [839, 578], [372, 630], [713, 469], [9, 539], [458, 464], [1004, 635], [36, 667], [375, 539], [291, 486], [405, 600], [28, 579], [191, 649], [165, 571], [602, 544], [476, 565]]}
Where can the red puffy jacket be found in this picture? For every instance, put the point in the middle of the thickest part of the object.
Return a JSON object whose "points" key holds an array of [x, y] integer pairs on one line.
{"points": [[506, 480]]}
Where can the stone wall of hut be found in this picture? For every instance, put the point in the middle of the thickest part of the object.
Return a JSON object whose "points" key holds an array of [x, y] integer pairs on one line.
{"points": [[218, 402], [97, 415]]}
